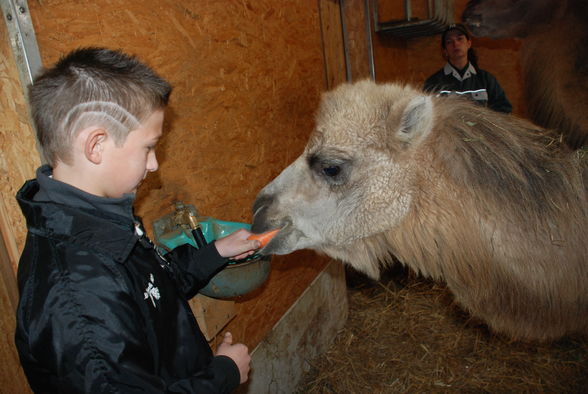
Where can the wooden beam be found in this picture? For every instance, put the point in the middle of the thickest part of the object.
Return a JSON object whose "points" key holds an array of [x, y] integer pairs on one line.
{"points": [[333, 42], [358, 48], [12, 378]]}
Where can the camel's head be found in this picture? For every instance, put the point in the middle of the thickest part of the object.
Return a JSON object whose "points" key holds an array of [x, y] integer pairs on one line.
{"points": [[353, 179], [508, 18]]}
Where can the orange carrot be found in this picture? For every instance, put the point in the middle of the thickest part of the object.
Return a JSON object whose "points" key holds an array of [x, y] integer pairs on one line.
{"points": [[264, 238]]}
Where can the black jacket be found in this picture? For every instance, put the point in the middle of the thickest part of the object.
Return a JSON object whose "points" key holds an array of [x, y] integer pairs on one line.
{"points": [[100, 311], [476, 84]]}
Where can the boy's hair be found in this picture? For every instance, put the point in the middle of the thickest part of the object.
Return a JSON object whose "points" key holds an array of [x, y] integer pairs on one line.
{"points": [[93, 87]]}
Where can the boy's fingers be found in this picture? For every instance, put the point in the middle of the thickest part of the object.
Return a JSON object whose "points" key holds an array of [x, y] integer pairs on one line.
{"points": [[249, 244], [242, 256]]}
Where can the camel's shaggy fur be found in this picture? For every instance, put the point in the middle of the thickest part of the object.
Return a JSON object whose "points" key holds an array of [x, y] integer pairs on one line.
{"points": [[554, 56], [491, 204]]}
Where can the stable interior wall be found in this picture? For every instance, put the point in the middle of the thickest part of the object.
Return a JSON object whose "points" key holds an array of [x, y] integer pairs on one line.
{"points": [[247, 79], [18, 160], [414, 60]]}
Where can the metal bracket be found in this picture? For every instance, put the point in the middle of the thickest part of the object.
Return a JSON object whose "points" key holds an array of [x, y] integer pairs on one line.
{"points": [[24, 48], [440, 14], [22, 39]]}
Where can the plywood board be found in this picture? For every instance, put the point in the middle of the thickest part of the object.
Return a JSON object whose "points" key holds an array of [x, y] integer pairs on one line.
{"points": [[333, 44], [212, 314], [18, 152], [247, 79], [356, 21], [258, 311], [303, 333], [18, 160]]}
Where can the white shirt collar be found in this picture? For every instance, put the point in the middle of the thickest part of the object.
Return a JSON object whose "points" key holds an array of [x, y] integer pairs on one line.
{"points": [[449, 69]]}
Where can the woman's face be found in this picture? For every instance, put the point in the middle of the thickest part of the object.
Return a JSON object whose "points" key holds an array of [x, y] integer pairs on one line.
{"points": [[456, 46]]}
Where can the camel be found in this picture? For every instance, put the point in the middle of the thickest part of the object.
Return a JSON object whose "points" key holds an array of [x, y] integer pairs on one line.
{"points": [[491, 204], [554, 51]]}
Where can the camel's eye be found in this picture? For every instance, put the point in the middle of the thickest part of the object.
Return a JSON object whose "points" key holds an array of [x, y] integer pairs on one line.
{"points": [[332, 167], [332, 171]]}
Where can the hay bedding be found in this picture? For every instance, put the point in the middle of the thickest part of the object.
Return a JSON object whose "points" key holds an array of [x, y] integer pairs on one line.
{"points": [[405, 335]]}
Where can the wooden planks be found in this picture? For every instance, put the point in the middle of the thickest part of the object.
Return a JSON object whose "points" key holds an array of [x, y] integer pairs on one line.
{"points": [[18, 152], [247, 79], [258, 312], [18, 158], [358, 46], [333, 44]]}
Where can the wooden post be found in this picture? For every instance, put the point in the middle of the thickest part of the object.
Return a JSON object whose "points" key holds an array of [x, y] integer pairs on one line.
{"points": [[333, 43]]}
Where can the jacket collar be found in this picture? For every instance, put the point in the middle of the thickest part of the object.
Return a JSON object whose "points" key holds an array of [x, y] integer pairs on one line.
{"points": [[450, 70], [62, 212]]}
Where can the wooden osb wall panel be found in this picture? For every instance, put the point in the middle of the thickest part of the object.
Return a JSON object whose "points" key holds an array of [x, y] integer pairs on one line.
{"points": [[345, 41], [358, 49], [247, 79], [12, 378], [389, 53], [389, 10], [18, 160], [414, 60], [333, 46], [260, 310], [390, 58], [18, 152]]}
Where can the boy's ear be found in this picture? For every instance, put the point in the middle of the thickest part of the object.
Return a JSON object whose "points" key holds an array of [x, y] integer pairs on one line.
{"points": [[94, 145]]}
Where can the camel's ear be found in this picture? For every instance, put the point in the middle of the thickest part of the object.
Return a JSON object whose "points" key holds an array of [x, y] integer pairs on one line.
{"points": [[417, 119]]}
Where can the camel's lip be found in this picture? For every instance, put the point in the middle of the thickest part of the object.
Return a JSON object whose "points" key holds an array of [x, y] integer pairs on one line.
{"points": [[258, 210], [472, 21], [272, 241], [474, 24]]}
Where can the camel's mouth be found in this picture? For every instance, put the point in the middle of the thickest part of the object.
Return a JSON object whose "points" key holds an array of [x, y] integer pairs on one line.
{"points": [[261, 223], [279, 244], [474, 23]]}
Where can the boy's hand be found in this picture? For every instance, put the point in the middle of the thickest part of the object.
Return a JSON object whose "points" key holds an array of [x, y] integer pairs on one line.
{"points": [[236, 245], [238, 353]]}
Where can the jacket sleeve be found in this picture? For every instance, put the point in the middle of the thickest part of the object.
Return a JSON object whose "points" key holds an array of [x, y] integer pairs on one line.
{"points": [[195, 267], [431, 85], [496, 97]]}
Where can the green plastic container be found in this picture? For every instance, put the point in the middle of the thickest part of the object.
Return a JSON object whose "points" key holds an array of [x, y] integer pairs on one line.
{"points": [[238, 277]]}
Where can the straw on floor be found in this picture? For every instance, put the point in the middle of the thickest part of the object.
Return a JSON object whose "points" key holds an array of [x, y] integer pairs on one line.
{"points": [[405, 335]]}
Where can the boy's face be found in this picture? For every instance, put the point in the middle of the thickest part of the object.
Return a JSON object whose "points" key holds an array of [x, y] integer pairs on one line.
{"points": [[126, 166]]}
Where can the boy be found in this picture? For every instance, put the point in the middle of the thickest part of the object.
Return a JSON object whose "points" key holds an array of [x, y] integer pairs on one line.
{"points": [[100, 309]]}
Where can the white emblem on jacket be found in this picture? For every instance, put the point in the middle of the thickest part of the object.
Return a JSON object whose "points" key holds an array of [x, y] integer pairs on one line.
{"points": [[151, 291]]}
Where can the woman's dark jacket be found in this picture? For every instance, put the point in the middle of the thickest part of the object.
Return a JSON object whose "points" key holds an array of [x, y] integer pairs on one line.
{"points": [[476, 84], [100, 311]]}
